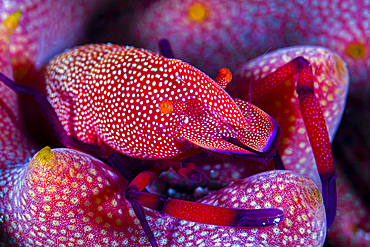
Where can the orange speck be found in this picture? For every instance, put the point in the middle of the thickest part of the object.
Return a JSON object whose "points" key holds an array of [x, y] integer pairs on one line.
{"points": [[291, 118], [166, 107], [288, 83], [278, 103], [98, 220], [197, 12], [285, 141], [356, 50]]}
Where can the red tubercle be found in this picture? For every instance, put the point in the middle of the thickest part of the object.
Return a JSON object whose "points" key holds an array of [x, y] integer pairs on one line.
{"points": [[223, 77]]}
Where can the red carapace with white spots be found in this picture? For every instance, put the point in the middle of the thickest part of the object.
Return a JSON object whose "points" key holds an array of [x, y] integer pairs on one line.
{"points": [[150, 107]]}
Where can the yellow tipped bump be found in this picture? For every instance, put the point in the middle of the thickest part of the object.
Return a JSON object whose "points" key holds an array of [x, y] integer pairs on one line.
{"points": [[197, 12], [12, 21], [356, 50], [44, 159]]}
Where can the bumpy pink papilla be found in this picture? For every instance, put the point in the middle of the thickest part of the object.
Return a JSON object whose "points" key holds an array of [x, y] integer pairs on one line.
{"points": [[64, 196]]}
